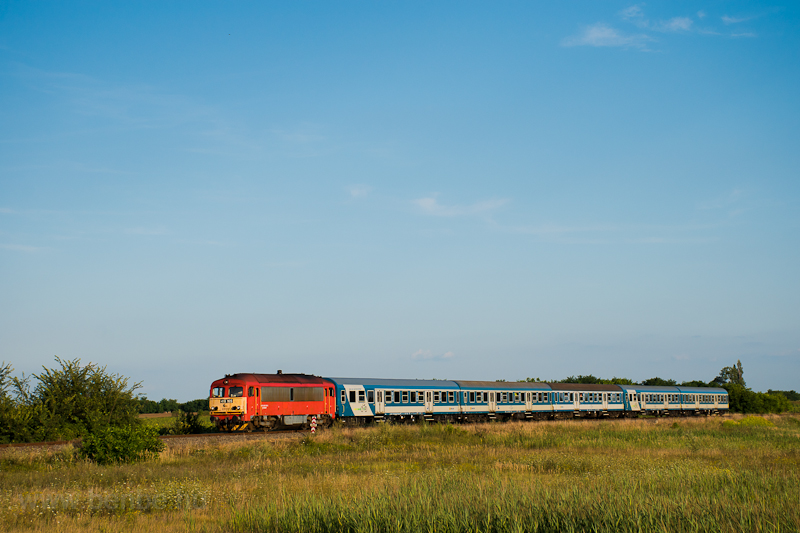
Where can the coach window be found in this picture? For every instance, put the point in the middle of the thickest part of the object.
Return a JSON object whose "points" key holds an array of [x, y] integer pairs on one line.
{"points": [[436, 397], [471, 397], [397, 396], [405, 396], [361, 396], [413, 396], [352, 396], [344, 396], [371, 396]]}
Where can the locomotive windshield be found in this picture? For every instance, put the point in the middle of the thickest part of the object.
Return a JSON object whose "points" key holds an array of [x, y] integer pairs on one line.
{"points": [[218, 392], [235, 392]]}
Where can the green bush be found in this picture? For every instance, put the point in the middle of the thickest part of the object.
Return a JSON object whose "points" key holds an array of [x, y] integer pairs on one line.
{"points": [[127, 444], [748, 421]]}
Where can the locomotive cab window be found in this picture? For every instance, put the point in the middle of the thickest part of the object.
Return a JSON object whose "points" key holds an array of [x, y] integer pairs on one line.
{"points": [[236, 392], [250, 391], [218, 392]]}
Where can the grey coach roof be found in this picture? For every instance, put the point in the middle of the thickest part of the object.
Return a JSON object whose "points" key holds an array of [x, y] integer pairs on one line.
{"points": [[389, 383], [584, 387], [502, 385]]}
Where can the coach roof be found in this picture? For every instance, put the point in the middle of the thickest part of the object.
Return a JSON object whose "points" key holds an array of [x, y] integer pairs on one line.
{"points": [[400, 383], [503, 385], [584, 387]]}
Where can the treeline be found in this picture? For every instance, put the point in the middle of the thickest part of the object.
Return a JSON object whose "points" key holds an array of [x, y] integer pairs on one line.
{"points": [[146, 406], [731, 378]]}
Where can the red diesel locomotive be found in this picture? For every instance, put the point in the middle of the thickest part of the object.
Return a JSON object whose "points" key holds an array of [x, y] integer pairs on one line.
{"points": [[247, 402]]}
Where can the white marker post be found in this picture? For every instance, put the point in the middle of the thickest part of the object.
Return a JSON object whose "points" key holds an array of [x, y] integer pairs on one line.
{"points": [[313, 424]]}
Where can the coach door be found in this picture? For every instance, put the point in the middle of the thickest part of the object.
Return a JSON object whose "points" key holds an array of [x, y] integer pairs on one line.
{"points": [[428, 401], [492, 402], [528, 400], [605, 401], [380, 402], [576, 400]]}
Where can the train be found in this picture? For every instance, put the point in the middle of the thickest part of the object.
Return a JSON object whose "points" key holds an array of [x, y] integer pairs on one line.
{"points": [[264, 402]]}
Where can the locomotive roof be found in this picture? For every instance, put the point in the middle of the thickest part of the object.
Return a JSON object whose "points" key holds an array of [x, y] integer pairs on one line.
{"points": [[584, 387], [304, 379], [502, 385]]}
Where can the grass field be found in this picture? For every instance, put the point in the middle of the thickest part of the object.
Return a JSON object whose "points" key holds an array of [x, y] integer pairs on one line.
{"points": [[166, 422], [573, 476]]}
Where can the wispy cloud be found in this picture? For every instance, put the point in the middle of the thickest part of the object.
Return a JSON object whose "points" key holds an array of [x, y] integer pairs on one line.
{"points": [[7, 211], [20, 248], [635, 15], [603, 35], [146, 231], [734, 20], [431, 206], [676, 24], [428, 355], [359, 191], [723, 201]]}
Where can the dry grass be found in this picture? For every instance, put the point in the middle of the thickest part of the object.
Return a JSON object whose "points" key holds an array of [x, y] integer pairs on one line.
{"points": [[628, 475]]}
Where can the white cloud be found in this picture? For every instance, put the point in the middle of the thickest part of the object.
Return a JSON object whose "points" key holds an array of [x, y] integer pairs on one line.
{"points": [[744, 34], [635, 15], [701, 14], [431, 206], [20, 248], [734, 20], [723, 201], [359, 191], [603, 35], [7, 211], [146, 231], [676, 24], [427, 355]]}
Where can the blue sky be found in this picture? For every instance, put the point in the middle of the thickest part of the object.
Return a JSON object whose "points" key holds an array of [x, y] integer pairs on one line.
{"points": [[471, 190]]}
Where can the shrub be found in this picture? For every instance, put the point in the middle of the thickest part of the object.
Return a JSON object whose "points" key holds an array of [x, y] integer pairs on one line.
{"points": [[748, 421], [127, 444]]}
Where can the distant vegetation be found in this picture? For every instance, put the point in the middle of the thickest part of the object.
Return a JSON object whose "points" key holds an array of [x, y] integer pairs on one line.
{"points": [[146, 406], [731, 378]]}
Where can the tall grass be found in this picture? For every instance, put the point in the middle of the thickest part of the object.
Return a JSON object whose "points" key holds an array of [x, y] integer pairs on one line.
{"points": [[692, 475]]}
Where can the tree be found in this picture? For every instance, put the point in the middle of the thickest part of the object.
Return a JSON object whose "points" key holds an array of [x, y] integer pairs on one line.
{"points": [[731, 374], [76, 401], [659, 382], [586, 380]]}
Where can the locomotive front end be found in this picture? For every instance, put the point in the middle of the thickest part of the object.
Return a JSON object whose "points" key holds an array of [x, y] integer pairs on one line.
{"points": [[228, 405]]}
